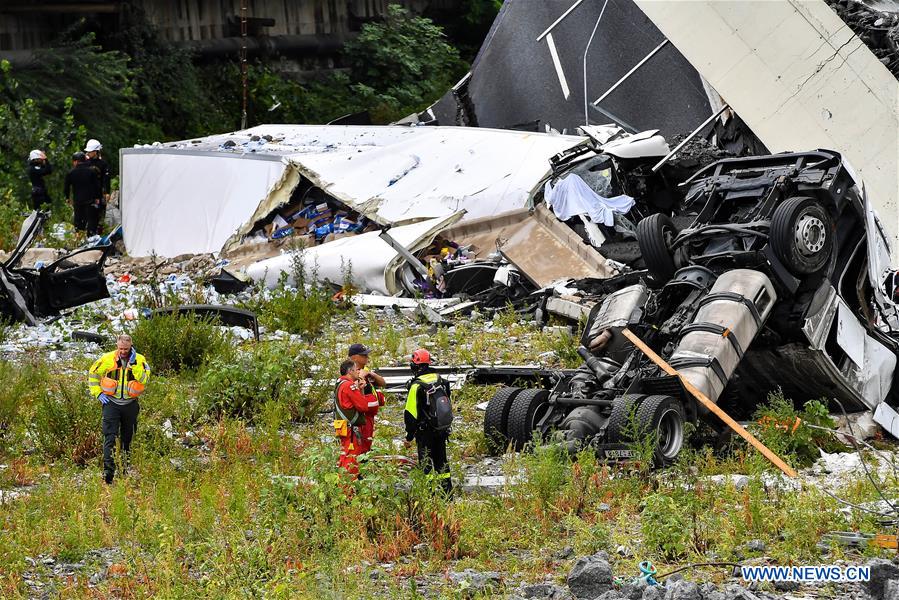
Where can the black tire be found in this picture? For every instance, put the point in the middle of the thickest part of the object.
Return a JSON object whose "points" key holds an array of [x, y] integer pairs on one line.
{"points": [[654, 236], [527, 408], [496, 420], [622, 407], [663, 415], [801, 235]]}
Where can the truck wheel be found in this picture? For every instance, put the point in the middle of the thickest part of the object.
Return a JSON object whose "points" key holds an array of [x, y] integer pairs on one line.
{"points": [[528, 408], [654, 236], [622, 407], [801, 235], [665, 416], [496, 420]]}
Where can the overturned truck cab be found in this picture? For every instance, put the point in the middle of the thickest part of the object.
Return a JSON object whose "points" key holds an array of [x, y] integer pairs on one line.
{"points": [[780, 282], [29, 294]]}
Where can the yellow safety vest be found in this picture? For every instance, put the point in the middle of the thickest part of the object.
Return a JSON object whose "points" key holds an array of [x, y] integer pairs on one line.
{"points": [[106, 376], [412, 396]]}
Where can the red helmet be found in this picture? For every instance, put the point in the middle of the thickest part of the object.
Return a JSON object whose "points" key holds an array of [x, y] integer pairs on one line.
{"points": [[421, 357]]}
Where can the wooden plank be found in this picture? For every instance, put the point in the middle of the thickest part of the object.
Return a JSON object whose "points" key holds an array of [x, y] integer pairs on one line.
{"points": [[704, 400]]}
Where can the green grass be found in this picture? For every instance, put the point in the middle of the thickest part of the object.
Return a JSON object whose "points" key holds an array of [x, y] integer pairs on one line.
{"points": [[218, 520]]}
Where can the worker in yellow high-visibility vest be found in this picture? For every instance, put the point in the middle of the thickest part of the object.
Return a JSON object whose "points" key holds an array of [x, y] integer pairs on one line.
{"points": [[117, 379]]}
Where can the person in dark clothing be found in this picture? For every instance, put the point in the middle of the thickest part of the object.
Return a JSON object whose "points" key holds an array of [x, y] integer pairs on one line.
{"points": [[430, 441], [83, 191], [93, 150], [38, 168]]}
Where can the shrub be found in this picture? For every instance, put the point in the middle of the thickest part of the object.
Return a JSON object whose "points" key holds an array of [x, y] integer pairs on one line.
{"points": [[174, 343], [239, 386], [17, 390], [66, 423], [666, 525], [785, 430], [306, 308]]}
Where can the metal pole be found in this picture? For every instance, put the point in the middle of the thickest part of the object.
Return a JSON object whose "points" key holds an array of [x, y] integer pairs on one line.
{"points": [[402, 251], [586, 50], [690, 137], [559, 20], [631, 72], [243, 61]]}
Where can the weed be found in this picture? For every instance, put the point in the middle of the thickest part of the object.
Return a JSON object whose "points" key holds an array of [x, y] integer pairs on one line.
{"points": [[642, 443], [238, 386], [305, 307], [784, 429], [175, 343], [17, 390], [66, 424], [666, 526]]}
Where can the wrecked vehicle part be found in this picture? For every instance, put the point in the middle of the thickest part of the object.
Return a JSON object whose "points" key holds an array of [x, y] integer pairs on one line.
{"points": [[234, 182], [375, 266], [736, 318], [225, 315], [74, 279], [229, 282], [829, 90], [543, 249]]}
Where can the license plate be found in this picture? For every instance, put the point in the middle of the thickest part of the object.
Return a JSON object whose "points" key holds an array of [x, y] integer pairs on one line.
{"points": [[620, 453]]}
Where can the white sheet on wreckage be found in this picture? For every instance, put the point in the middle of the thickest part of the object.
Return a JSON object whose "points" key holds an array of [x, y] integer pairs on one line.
{"points": [[176, 203], [423, 172], [374, 262]]}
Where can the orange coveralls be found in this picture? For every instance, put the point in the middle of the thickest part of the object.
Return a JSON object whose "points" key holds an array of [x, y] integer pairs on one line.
{"points": [[351, 396]]}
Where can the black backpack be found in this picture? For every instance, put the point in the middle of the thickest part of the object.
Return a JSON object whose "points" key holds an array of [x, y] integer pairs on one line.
{"points": [[438, 411]]}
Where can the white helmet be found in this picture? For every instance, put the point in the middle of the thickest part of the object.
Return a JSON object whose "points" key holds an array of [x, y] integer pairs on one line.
{"points": [[93, 146], [36, 154]]}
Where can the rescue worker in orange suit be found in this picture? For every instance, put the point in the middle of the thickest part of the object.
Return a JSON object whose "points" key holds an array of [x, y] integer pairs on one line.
{"points": [[117, 379], [358, 353], [353, 409]]}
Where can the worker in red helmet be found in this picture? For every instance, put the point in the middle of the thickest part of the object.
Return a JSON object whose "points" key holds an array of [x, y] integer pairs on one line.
{"points": [[428, 417]]}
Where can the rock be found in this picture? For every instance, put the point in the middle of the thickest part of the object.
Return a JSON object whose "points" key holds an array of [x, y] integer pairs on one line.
{"points": [[682, 590], [736, 592], [738, 481], [419, 548], [633, 590], [860, 424], [710, 592], [883, 572], [472, 583], [786, 586], [603, 507], [653, 592], [590, 577], [891, 590], [564, 553], [756, 546], [611, 595], [547, 591]]}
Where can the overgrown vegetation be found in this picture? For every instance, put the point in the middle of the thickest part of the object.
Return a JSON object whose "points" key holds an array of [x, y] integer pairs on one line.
{"points": [[242, 385], [300, 303], [786, 430], [178, 342], [235, 489]]}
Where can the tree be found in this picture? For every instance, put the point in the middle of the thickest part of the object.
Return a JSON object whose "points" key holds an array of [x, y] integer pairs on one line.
{"points": [[402, 64]]}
